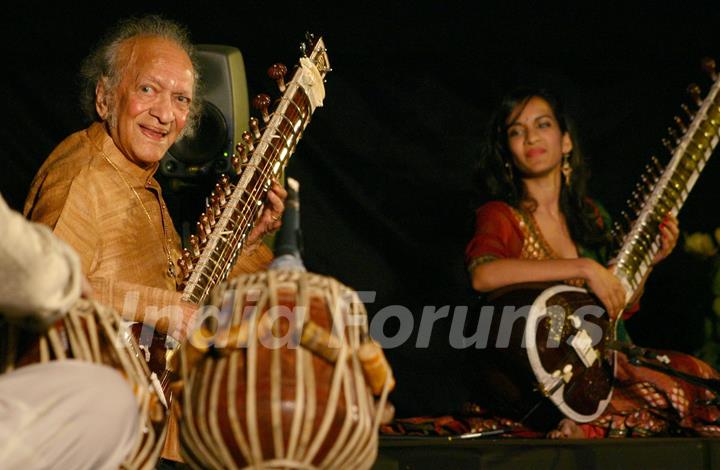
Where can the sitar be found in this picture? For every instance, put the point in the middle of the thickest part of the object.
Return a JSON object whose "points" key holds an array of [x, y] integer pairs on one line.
{"points": [[233, 208], [556, 357]]}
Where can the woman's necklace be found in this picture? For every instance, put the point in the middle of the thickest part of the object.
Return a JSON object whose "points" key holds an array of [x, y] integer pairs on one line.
{"points": [[163, 237]]}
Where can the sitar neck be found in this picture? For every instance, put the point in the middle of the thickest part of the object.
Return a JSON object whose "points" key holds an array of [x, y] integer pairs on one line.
{"points": [[224, 237], [671, 189]]}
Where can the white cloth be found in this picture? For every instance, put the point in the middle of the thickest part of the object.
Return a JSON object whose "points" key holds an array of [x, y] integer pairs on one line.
{"points": [[39, 274], [66, 415], [62, 414]]}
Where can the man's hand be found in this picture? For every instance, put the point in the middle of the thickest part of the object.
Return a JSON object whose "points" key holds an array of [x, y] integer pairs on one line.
{"points": [[176, 320], [86, 290], [269, 220]]}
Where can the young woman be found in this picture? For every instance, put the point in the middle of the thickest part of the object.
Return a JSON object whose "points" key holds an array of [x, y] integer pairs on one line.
{"points": [[541, 226]]}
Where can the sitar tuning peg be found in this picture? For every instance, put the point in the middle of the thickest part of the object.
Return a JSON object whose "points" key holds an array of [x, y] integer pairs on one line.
{"points": [[647, 182], [626, 218], [657, 164], [184, 272], [236, 164], [202, 236], [205, 224], [187, 258], [225, 184], [694, 91], [194, 246], [709, 66], [255, 127], [248, 139], [220, 192], [309, 38], [639, 189], [633, 206], [209, 215], [618, 229], [635, 196], [277, 72], [303, 49], [673, 133], [241, 152], [650, 170], [681, 125], [689, 113], [668, 145], [262, 102]]}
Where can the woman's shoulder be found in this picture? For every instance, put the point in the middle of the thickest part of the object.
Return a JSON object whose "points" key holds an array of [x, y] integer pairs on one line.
{"points": [[496, 206], [499, 210]]}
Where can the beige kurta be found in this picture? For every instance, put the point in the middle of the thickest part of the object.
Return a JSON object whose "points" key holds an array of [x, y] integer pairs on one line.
{"points": [[89, 194]]}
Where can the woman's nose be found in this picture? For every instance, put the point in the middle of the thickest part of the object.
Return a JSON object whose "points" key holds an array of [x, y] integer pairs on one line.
{"points": [[530, 136]]}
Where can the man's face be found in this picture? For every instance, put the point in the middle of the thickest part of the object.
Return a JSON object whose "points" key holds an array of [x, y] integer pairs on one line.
{"points": [[151, 104]]}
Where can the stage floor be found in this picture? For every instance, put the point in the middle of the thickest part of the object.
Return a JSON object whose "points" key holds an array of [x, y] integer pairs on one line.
{"points": [[403, 453]]}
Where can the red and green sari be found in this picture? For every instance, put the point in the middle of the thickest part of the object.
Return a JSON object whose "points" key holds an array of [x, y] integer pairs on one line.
{"points": [[645, 402]]}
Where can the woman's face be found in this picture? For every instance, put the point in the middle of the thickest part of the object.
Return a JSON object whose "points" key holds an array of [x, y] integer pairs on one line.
{"points": [[535, 139]]}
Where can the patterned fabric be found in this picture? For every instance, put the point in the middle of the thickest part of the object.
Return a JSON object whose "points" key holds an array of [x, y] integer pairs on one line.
{"points": [[448, 425], [90, 195], [644, 402], [502, 231]]}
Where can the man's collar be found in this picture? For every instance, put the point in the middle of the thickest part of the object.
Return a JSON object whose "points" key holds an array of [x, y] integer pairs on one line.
{"points": [[103, 142]]}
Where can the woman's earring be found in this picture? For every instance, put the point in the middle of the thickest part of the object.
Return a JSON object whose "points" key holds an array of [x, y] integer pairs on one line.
{"points": [[509, 171], [566, 169]]}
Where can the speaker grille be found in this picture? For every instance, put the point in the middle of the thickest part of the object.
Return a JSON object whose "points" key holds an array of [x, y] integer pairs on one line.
{"points": [[222, 121]]}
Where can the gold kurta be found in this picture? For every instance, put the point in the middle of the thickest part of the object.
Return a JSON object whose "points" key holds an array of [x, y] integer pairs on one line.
{"points": [[89, 193], [113, 213]]}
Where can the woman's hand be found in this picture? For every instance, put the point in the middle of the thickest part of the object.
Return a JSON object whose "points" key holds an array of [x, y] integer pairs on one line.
{"points": [[669, 232], [606, 286]]}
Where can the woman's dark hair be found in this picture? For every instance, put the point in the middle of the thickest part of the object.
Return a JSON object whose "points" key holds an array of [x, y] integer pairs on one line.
{"points": [[500, 180]]}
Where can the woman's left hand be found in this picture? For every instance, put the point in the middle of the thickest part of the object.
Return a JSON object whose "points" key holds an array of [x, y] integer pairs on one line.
{"points": [[669, 233]]}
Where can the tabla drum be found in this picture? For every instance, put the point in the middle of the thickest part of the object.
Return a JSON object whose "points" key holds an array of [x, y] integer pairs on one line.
{"points": [[91, 332], [289, 379]]}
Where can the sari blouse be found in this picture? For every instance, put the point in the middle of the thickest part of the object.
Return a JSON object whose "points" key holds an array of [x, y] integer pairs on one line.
{"points": [[505, 232]]}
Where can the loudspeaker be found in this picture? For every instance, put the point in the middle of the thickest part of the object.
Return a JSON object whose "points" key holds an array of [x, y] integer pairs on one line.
{"points": [[223, 118]]}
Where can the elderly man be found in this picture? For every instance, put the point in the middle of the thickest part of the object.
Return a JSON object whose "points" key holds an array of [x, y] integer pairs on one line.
{"points": [[96, 190], [60, 414]]}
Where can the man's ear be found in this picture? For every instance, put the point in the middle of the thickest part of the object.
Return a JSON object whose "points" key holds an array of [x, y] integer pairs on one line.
{"points": [[101, 99]]}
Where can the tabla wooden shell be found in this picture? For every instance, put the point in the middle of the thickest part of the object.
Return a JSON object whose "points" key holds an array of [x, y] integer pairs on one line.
{"points": [[93, 333], [258, 404]]}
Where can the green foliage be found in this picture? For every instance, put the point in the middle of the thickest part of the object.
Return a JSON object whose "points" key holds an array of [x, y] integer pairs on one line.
{"points": [[705, 247]]}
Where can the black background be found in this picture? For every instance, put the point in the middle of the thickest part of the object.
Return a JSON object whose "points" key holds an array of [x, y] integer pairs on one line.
{"points": [[386, 165]]}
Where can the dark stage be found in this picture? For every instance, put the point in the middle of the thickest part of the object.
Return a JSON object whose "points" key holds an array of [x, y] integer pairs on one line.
{"points": [[440, 454], [386, 166]]}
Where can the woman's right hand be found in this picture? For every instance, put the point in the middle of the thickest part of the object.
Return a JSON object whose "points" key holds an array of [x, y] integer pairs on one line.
{"points": [[606, 286]]}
